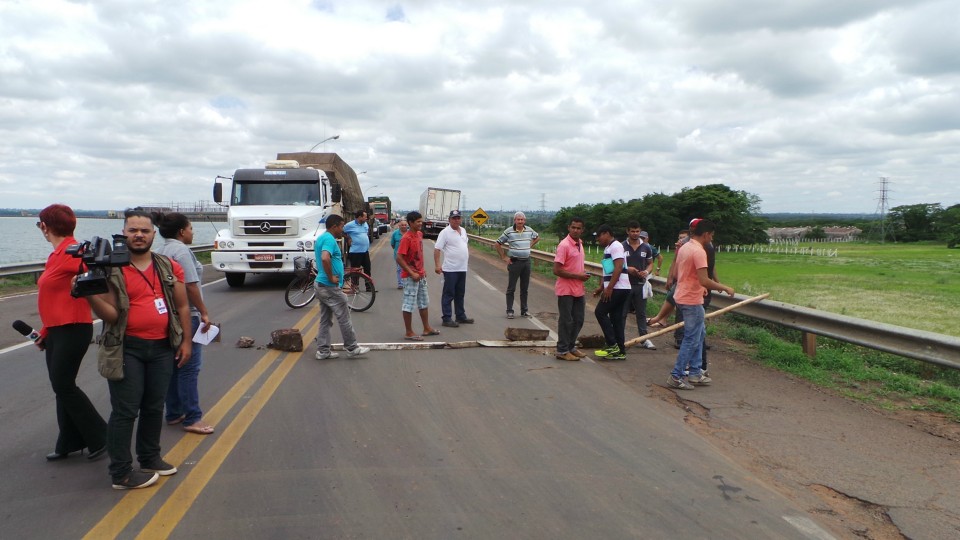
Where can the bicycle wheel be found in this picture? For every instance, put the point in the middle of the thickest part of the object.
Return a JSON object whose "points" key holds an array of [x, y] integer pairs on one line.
{"points": [[360, 291], [300, 292]]}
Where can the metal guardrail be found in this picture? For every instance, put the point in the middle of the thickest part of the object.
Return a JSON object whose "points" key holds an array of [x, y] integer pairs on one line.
{"points": [[939, 349], [36, 268]]}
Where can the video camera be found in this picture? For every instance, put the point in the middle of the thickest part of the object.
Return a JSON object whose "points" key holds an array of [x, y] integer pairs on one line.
{"points": [[98, 255]]}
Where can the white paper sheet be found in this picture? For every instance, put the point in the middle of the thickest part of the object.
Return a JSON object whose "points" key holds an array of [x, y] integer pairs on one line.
{"points": [[204, 338]]}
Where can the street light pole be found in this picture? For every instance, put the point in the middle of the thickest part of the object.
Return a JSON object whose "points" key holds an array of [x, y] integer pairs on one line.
{"points": [[335, 137]]}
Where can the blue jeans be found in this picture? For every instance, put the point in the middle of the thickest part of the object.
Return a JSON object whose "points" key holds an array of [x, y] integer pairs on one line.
{"points": [[570, 311], [454, 288], [333, 303], [691, 348], [147, 366], [183, 397]]}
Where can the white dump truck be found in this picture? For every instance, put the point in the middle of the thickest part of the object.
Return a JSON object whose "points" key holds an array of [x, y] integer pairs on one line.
{"points": [[277, 212]]}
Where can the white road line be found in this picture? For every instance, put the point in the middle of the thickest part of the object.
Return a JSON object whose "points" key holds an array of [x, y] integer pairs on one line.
{"points": [[808, 527], [485, 283]]}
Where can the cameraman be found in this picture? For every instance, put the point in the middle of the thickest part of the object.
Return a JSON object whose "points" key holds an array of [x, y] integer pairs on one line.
{"points": [[144, 314]]}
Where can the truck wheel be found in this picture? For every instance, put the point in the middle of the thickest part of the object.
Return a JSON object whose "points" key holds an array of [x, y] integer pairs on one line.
{"points": [[235, 279]]}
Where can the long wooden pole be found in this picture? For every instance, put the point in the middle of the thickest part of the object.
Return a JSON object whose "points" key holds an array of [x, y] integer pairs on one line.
{"points": [[671, 328]]}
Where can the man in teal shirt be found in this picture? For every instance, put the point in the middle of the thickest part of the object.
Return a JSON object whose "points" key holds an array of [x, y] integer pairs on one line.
{"points": [[333, 303], [395, 244]]}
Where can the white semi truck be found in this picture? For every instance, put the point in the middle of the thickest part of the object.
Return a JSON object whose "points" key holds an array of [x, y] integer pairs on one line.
{"points": [[276, 213], [435, 206]]}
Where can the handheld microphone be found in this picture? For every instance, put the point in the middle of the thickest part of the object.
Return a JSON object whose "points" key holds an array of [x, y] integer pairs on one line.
{"points": [[25, 329]]}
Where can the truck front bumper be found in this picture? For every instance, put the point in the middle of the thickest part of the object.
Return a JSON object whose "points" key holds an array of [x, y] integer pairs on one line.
{"points": [[256, 262]]}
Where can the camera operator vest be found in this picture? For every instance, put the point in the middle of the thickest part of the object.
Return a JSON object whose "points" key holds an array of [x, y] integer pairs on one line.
{"points": [[110, 354]]}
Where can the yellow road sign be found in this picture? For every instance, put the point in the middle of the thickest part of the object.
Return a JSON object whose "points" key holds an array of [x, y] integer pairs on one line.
{"points": [[479, 217]]}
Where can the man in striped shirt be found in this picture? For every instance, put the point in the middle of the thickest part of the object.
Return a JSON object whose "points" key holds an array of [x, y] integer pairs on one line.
{"points": [[519, 240]]}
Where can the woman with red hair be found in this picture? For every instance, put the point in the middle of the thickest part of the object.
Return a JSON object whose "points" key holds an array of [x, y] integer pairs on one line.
{"points": [[65, 337]]}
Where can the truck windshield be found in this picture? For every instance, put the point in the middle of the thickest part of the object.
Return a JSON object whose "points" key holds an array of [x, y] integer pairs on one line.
{"points": [[276, 193]]}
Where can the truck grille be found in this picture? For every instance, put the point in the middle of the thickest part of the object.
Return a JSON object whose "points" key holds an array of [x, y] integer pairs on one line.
{"points": [[265, 227]]}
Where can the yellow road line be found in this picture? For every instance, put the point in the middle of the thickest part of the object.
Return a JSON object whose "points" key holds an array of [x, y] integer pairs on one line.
{"points": [[133, 502], [176, 506]]}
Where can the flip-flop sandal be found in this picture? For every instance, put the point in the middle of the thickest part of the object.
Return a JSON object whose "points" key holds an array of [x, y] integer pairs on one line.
{"points": [[201, 430], [413, 338], [431, 333], [176, 420]]}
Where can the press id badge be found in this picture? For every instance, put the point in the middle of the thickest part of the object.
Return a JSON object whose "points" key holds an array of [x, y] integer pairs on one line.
{"points": [[160, 305]]}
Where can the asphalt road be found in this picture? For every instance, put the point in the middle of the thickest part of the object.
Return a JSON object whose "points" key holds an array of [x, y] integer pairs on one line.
{"points": [[466, 443]]}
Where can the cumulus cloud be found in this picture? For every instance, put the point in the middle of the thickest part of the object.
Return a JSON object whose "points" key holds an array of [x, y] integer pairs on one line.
{"points": [[803, 103]]}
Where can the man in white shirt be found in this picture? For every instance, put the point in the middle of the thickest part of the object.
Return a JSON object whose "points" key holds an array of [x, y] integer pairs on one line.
{"points": [[452, 243], [613, 292]]}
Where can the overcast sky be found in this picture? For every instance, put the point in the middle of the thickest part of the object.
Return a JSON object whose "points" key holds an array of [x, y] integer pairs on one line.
{"points": [[521, 105]]}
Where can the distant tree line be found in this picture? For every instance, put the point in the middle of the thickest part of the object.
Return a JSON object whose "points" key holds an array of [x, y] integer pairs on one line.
{"points": [[736, 214], [925, 222]]}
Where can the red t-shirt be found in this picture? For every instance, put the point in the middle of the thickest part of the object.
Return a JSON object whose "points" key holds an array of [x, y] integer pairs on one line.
{"points": [[144, 287], [54, 302], [411, 249]]}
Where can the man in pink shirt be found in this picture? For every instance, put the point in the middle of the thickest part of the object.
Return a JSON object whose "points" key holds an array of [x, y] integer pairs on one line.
{"points": [[568, 267], [693, 283]]}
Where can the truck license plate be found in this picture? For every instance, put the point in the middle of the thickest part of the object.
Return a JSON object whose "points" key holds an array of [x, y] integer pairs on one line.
{"points": [[263, 257]]}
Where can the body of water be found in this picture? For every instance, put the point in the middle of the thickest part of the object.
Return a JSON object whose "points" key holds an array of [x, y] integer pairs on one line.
{"points": [[22, 242]]}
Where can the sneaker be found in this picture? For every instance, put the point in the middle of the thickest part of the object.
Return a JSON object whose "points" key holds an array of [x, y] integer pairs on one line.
{"points": [[136, 480], [525, 314], [399, 286], [358, 352], [578, 353], [680, 384], [647, 344], [466, 320], [449, 323], [327, 355], [509, 314], [701, 380], [601, 353], [616, 356], [158, 466], [569, 357]]}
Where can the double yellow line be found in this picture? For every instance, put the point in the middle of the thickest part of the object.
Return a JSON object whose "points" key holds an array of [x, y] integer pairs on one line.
{"points": [[193, 483]]}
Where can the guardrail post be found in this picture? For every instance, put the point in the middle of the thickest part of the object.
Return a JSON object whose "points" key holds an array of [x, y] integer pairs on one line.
{"points": [[809, 344]]}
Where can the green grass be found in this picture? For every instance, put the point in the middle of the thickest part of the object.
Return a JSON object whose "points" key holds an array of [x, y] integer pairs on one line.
{"points": [[15, 284], [883, 380]]}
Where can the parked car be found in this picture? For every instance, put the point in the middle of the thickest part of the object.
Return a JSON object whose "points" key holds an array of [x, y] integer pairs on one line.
{"points": [[377, 228]]}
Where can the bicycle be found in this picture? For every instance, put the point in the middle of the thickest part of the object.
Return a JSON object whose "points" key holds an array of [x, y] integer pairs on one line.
{"points": [[358, 287]]}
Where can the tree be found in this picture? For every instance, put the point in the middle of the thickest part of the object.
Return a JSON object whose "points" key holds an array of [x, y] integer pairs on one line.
{"points": [[816, 233], [734, 212], [915, 222]]}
